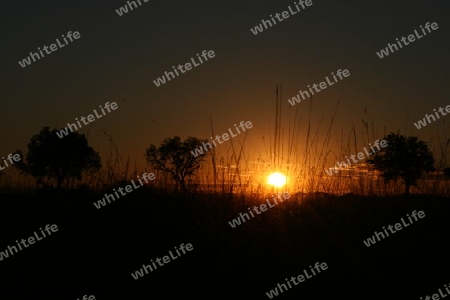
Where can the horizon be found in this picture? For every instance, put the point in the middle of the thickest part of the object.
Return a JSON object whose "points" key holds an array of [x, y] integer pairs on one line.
{"points": [[143, 130], [225, 87]]}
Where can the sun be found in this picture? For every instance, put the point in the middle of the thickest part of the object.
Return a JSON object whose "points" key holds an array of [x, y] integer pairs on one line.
{"points": [[276, 179]]}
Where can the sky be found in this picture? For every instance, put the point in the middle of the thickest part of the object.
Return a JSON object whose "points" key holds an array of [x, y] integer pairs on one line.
{"points": [[117, 58]]}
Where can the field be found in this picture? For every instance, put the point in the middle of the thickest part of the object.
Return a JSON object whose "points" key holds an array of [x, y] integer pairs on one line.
{"points": [[325, 220], [100, 248]]}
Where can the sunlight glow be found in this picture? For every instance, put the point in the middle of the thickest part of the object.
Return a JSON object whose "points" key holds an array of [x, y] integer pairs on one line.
{"points": [[277, 179]]}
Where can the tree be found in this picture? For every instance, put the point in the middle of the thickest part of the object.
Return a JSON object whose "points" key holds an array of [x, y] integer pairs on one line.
{"points": [[175, 157], [404, 157], [50, 157]]}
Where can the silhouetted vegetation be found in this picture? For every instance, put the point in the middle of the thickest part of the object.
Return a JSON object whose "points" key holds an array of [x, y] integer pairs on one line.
{"points": [[404, 157], [175, 157], [309, 227], [51, 158]]}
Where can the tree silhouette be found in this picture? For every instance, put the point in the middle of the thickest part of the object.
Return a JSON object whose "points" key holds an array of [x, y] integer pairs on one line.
{"points": [[404, 157], [174, 157], [50, 157]]}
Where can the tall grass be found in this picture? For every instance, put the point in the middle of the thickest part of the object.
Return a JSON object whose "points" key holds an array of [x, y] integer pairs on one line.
{"points": [[301, 151], [304, 157]]}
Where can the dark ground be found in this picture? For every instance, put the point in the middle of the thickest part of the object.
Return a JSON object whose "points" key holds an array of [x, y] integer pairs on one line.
{"points": [[95, 251]]}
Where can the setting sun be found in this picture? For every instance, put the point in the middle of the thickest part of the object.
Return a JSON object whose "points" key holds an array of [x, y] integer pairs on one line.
{"points": [[277, 179]]}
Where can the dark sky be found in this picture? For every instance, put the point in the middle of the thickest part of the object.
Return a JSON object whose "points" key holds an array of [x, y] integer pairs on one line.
{"points": [[118, 57]]}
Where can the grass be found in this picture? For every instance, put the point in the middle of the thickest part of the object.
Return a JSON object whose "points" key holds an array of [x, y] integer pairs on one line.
{"points": [[302, 152], [252, 258], [326, 219]]}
